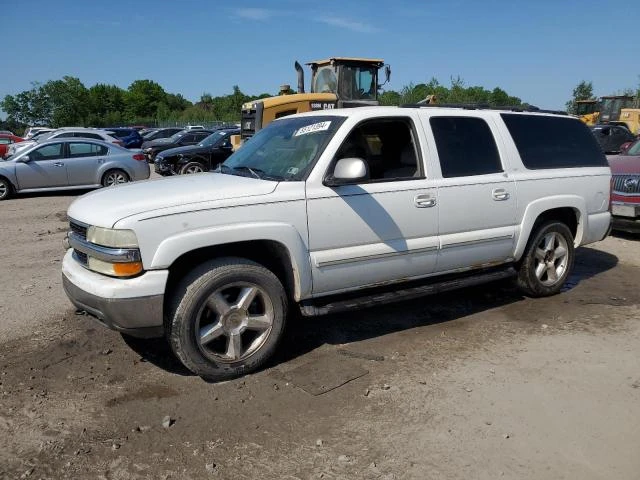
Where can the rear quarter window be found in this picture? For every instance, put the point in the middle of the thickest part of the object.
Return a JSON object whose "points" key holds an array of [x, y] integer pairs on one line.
{"points": [[553, 142]]}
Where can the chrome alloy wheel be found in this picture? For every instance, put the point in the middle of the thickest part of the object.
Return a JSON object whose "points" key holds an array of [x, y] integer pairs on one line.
{"points": [[115, 178], [234, 322], [551, 259], [193, 169], [4, 190]]}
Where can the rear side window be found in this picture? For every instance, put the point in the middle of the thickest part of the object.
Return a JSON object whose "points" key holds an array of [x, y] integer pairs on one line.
{"points": [[77, 150], [465, 146], [553, 142]]}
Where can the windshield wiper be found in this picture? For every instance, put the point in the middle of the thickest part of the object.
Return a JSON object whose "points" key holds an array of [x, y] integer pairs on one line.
{"points": [[256, 172]]}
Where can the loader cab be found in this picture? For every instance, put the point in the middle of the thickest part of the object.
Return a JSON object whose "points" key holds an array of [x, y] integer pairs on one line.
{"points": [[353, 80], [612, 105]]}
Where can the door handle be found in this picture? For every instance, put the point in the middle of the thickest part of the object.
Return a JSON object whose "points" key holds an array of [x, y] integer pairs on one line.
{"points": [[424, 201], [500, 194], [58, 164]]}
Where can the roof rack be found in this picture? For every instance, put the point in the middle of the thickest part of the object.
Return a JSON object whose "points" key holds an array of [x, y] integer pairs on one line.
{"points": [[484, 106]]}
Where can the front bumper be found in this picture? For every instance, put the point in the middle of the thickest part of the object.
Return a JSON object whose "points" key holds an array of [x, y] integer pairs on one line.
{"points": [[133, 306], [626, 217]]}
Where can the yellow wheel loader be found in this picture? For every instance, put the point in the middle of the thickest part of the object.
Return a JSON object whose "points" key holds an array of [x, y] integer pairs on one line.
{"points": [[336, 82]]}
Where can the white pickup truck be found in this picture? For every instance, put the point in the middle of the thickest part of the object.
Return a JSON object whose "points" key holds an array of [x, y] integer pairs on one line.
{"points": [[333, 210]]}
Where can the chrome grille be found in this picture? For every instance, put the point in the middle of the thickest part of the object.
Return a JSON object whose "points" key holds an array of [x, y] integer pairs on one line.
{"points": [[626, 184], [79, 229]]}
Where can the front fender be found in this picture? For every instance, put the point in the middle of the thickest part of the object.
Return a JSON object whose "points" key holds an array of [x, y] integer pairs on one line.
{"points": [[537, 207], [173, 247]]}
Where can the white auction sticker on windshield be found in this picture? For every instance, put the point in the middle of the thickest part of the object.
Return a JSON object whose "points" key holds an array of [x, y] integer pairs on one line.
{"points": [[315, 127]]}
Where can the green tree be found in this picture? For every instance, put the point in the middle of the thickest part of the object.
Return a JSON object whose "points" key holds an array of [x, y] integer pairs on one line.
{"points": [[582, 91], [143, 97]]}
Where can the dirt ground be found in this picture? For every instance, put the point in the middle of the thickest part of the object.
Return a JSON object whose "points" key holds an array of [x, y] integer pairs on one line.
{"points": [[480, 383]]}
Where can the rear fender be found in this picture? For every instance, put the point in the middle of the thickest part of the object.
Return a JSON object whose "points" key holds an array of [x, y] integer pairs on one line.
{"points": [[538, 207]]}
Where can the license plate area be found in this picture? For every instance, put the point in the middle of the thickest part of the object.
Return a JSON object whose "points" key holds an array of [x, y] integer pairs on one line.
{"points": [[624, 210]]}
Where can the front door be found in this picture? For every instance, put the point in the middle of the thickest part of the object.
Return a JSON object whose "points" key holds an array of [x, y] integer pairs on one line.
{"points": [[46, 168], [382, 229]]}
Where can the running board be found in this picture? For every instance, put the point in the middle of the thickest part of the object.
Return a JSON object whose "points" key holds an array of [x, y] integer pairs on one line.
{"points": [[310, 308]]}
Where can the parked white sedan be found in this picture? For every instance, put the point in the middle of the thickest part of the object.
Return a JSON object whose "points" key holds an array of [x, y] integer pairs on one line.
{"points": [[70, 163]]}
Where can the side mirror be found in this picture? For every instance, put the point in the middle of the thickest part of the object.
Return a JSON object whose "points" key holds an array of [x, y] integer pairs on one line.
{"points": [[226, 146], [348, 170], [24, 159]]}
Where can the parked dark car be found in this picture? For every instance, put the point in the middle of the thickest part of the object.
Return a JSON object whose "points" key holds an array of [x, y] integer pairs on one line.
{"points": [[181, 139], [611, 137], [158, 133], [129, 137], [203, 157]]}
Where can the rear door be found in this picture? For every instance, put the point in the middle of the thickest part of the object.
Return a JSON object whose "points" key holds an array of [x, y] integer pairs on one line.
{"points": [[46, 168], [477, 199], [83, 162]]}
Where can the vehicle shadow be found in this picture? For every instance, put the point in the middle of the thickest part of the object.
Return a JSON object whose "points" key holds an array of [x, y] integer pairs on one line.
{"points": [[304, 334], [307, 334], [158, 352]]}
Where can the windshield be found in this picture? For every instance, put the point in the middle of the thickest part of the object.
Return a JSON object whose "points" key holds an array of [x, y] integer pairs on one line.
{"points": [[213, 139], [176, 136], [285, 150]]}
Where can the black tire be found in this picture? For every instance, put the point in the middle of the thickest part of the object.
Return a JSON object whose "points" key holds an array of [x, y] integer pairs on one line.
{"points": [[114, 177], [193, 313], [192, 167], [6, 189], [547, 260]]}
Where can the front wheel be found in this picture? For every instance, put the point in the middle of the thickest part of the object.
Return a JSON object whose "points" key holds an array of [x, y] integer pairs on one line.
{"points": [[226, 318], [547, 261], [191, 167], [5, 189], [114, 177]]}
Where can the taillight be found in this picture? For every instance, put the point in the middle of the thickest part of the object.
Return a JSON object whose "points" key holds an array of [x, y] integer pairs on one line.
{"points": [[139, 157]]}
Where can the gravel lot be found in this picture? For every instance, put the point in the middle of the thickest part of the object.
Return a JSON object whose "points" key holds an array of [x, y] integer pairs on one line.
{"points": [[479, 383]]}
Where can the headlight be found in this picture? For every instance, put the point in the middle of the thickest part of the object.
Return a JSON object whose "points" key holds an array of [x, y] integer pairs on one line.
{"points": [[159, 159], [148, 150], [108, 237]]}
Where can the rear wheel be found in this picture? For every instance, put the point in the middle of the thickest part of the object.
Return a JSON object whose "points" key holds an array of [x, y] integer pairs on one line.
{"points": [[191, 167], [547, 261], [114, 177], [5, 188], [227, 318]]}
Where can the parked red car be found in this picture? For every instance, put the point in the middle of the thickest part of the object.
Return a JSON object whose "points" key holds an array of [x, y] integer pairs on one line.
{"points": [[625, 194], [6, 140]]}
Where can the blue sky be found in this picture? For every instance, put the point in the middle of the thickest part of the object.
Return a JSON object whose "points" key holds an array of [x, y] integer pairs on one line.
{"points": [[537, 51]]}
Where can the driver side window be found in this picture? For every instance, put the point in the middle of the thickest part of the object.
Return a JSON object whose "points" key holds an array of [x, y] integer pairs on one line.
{"points": [[47, 152], [388, 148]]}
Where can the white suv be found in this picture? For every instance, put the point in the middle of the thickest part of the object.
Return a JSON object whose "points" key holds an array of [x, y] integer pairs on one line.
{"points": [[335, 210]]}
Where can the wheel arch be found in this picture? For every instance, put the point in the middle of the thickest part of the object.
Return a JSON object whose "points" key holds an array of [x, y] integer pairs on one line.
{"points": [[279, 248], [570, 210]]}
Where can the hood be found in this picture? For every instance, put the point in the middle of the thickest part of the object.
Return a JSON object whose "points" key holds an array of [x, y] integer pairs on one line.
{"points": [[106, 206], [189, 149], [624, 164]]}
